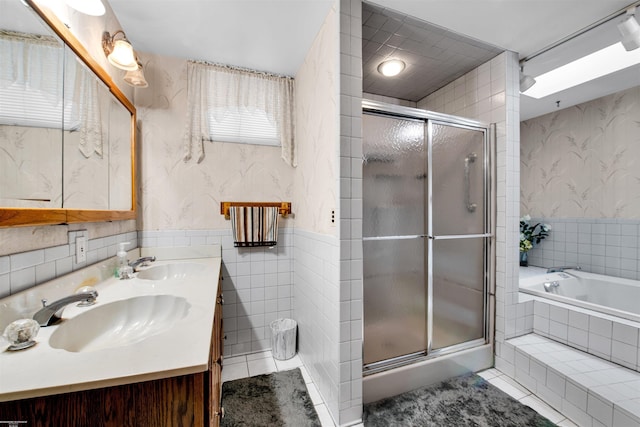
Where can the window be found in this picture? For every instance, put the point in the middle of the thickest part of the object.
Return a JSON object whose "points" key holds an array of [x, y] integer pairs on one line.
{"points": [[237, 105], [243, 126], [31, 83]]}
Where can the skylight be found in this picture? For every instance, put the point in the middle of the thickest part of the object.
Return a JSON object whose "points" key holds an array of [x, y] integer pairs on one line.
{"points": [[597, 64]]}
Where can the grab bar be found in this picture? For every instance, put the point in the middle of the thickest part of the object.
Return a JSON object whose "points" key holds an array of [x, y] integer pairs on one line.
{"points": [[471, 158]]}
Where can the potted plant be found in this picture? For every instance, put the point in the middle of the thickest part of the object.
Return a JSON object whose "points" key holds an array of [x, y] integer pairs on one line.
{"points": [[530, 236]]}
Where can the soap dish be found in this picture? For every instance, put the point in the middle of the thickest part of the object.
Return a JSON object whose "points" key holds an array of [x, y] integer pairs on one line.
{"points": [[21, 346], [21, 333]]}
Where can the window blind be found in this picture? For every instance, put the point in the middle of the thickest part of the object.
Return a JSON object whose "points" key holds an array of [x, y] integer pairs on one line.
{"points": [[243, 126]]}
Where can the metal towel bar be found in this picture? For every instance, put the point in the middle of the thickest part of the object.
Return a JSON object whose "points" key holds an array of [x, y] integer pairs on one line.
{"points": [[285, 207]]}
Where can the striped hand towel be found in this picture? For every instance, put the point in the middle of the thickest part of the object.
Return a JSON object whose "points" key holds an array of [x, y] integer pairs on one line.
{"points": [[254, 226]]}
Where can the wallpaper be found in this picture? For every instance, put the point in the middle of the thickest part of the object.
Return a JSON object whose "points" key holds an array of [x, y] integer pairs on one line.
{"points": [[316, 133], [32, 176], [179, 195], [30, 172], [582, 161]]}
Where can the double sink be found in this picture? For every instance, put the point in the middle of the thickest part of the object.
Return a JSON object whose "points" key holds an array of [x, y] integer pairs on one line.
{"points": [[138, 330]]}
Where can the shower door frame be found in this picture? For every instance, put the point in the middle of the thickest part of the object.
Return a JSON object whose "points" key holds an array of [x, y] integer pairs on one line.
{"points": [[429, 118]]}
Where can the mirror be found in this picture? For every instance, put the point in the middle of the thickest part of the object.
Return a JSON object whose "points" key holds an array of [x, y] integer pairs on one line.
{"points": [[66, 131]]}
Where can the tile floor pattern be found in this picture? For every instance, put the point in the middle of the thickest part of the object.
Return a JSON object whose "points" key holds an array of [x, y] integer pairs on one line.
{"points": [[263, 363]]}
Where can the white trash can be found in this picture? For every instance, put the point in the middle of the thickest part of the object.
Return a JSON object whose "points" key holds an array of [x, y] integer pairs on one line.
{"points": [[283, 338]]}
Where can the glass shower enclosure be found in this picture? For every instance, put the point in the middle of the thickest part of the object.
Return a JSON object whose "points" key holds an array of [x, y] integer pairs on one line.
{"points": [[426, 235]]}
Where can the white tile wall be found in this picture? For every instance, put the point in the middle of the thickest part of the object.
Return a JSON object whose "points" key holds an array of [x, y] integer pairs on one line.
{"points": [[24, 270], [603, 246], [607, 337], [317, 311], [350, 213], [491, 94], [588, 390], [257, 283]]}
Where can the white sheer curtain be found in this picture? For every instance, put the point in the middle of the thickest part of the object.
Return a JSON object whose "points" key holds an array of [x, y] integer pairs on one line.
{"points": [[41, 90], [33, 60], [214, 90], [83, 89]]}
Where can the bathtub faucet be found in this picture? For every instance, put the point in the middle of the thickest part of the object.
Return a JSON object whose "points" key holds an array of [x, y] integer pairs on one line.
{"points": [[561, 269], [550, 285]]}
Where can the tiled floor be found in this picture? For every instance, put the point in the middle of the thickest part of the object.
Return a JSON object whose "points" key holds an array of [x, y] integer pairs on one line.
{"points": [[264, 363], [515, 390]]}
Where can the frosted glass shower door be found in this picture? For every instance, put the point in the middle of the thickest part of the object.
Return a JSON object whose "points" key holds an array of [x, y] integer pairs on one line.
{"points": [[394, 212], [458, 234]]}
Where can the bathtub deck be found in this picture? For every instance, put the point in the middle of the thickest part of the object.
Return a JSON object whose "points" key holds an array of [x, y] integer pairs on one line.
{"points": [[583, 387]]}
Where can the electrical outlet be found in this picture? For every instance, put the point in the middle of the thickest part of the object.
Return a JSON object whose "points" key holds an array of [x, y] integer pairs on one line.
{"points": [[81, 249]]}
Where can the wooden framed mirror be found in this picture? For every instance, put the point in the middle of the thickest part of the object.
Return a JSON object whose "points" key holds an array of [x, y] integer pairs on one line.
{"points": [[67, 132]]}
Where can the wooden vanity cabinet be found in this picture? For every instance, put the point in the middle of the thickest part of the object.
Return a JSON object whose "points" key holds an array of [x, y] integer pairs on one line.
{"points": [[215, 362], [186, 400]]}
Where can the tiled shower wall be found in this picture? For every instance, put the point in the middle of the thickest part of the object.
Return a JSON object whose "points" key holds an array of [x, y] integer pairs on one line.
{"points": [[490, 94], [316, 185], [257, 283], [23, 270], [603, 246], [350, 152]]}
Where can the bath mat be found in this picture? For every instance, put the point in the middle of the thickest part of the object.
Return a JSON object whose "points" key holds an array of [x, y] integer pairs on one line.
{"points": [[277, 399], [467, 400]]}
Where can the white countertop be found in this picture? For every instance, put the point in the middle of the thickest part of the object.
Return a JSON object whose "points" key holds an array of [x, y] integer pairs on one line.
{"points": [[182, 349]]}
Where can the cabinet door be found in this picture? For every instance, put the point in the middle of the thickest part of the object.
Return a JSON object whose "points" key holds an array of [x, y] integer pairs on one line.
{"points": [[215, 365]]}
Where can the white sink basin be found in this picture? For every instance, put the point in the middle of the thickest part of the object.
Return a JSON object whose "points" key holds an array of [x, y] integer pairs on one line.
{"points": [[170, 271], [119, 323]]}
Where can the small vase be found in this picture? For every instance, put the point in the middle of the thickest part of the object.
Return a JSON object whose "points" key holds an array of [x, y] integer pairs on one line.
{"points": [[524, 259]]}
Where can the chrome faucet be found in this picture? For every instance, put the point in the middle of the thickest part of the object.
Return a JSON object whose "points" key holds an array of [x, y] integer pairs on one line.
{"points": [[139, 261], [561, 269], [550, 285], [50, 314]]}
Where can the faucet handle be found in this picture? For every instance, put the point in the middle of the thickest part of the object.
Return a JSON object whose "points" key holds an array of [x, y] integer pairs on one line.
{"points": [[89, 301], [44, 302]]}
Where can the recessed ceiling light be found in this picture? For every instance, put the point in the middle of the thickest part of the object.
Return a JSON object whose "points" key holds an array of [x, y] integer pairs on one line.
{"points": [[597, 64], [391, 68]]}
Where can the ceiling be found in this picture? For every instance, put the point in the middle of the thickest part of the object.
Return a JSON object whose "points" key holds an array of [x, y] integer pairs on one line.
{"points": [[15, 17], [433, 56], [266, 35], [275, 35]]}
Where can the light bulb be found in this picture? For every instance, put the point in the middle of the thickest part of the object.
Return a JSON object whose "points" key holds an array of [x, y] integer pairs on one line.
{"points": [[391, 68]]}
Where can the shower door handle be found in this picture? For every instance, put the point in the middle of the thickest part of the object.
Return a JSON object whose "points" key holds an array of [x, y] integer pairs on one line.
{"points": [[460, 236], [471, 158]]}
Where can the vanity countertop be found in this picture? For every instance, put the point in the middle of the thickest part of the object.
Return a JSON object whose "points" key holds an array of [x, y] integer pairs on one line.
{"points": [[180, 350]]}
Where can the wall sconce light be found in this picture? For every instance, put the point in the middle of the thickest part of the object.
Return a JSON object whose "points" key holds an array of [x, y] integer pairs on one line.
{"points": [[119, 52], [136, 78], [526, 81], [630, 30], [391, 68]]}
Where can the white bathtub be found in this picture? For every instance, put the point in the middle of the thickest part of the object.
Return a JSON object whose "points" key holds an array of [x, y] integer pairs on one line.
{"points": [[605, 294]]}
